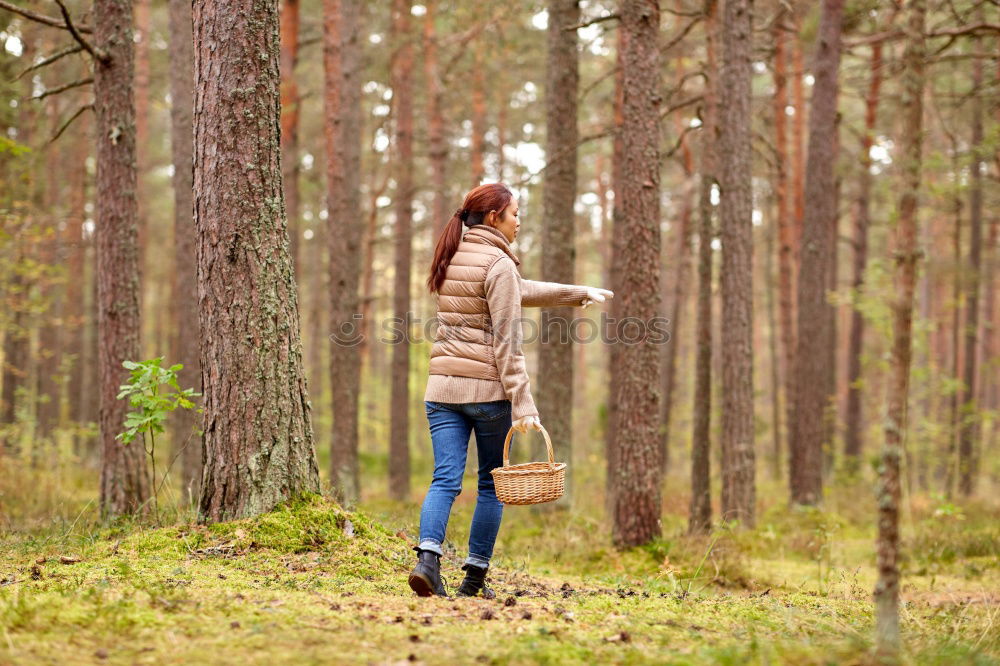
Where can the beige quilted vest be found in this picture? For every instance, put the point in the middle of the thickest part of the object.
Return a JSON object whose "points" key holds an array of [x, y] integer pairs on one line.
{"points": [[463, 344]]}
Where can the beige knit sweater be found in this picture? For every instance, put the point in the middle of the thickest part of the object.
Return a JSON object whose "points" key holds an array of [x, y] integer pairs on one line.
{"points": [[506, 293]]}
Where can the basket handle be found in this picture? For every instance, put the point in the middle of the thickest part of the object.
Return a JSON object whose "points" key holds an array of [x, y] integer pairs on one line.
{"points": [[548, 446]]}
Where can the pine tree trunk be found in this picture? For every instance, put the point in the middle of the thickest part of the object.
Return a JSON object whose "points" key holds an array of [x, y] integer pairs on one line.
{"points": [[852, 434], [342, 118], [735, 213], [637, 499], [969, 430], [906, 253], [257, 430], [75, 299], [186, 327], [289, 29], [613, 245], [555, 350], [700, 519], [783, 212], [125, 484], [677, 295], [814, 334], [478, 119], [402, 99], [437, 148]]}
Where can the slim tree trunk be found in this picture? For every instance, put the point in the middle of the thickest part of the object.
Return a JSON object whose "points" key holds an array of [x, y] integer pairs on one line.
{"points": [[681, 267], [735, 213], [613, 245], [786, 227], [555, 352], [852, 434], [437, 148], [906, 252], [814, 334], [258, 433], [402, 99], [342, 117], [186, 326], [125, 484], [289, 29], [478, 118], [637, 499], [700, 519], [968, 430]]}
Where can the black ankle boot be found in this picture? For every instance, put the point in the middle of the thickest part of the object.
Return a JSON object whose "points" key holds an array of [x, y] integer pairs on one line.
{"points": [[425, 579], [475, 580]]}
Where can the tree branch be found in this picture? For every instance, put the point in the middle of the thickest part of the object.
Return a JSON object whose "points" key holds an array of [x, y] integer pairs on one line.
{"points": [[97, 53], [593, 21], [965, 30], [51, 59], [40, 18], [62, 128], [64, 87]]}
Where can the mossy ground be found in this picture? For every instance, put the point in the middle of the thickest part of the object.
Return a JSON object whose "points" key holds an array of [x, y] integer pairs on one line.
{"points": [[313, 582]]}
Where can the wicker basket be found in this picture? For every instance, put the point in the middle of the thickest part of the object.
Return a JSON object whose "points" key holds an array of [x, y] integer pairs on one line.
{"points": [[529, 483]]}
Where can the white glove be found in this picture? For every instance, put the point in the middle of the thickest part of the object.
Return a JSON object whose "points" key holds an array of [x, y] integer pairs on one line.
{"points": [[596, 295], [525, 422]]}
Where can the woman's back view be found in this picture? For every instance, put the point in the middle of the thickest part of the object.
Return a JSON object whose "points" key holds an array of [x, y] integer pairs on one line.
{"points": [[478, 378]]}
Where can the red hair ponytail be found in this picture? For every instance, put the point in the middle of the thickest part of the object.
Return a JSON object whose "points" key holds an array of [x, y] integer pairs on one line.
{"points": [[478, 202]]}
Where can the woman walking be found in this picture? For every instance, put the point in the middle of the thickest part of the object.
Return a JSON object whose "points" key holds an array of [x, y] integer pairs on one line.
{"points": [[478, 380]]}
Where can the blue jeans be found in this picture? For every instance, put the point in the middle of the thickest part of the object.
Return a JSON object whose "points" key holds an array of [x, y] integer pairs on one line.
{"points": [[451, 425]]}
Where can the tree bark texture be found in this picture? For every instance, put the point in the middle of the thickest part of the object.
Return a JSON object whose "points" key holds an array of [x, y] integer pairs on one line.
{"points": [[187, 329], [257, 430], [906, 255], [637, 499], [289, 30], [342, 125], [853, 428], [814, 330], [700, 518], [125, 484], [437, 143], [969, 428], [735, 211], [555, 351], [402, 99]]}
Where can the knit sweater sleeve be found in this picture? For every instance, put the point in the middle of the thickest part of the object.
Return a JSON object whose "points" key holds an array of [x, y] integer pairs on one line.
{"points": [[550, 294], [503, 296]]}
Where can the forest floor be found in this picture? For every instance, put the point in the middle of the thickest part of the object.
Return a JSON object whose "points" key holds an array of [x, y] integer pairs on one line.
{"points": [[315, 583]]}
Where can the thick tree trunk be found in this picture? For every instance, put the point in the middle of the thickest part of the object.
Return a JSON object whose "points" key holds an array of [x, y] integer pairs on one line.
{"points": [[735, 211], [186, 327], [906, 252], [555, 351], [125, 484], [342, 127], [852, 434], [402, 99], [814, 334], [637, 499], [258, 433], [700, 519]]}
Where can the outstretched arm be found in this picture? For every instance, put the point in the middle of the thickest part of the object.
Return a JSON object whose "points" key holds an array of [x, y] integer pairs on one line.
{"points": [[550, 294]]}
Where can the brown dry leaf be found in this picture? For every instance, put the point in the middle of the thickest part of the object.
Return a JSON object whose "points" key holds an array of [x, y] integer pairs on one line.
{"points": [[69, 559]]}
